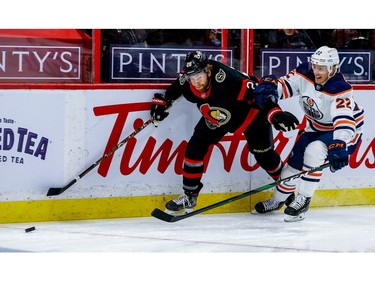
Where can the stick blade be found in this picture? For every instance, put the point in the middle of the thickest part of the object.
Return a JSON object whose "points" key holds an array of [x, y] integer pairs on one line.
{"points": [[53, 191], [159, 214]]}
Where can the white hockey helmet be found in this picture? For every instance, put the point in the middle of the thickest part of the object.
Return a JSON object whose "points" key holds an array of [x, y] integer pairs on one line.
{"points": [[326, 56]]}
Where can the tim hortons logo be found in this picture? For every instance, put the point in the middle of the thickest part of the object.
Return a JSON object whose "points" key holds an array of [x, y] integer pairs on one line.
{"points": [[166, 155]]}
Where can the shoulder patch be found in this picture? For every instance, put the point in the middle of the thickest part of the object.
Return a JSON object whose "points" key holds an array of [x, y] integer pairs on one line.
{"points": [[220, 76], [182, 79]]}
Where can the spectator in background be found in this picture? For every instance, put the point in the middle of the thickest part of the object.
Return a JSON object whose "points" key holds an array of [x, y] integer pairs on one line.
{"points": [[214, 37], [288, 39], [117, 36], [319, 37], [351, 39], [159, 37], [175, 37]]}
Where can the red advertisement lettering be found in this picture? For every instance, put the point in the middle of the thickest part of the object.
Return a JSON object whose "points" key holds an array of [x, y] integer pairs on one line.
{"points": [[165, 155]]}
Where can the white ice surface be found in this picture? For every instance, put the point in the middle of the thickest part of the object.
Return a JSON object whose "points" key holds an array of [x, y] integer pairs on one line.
{"points": [[224, 246]]}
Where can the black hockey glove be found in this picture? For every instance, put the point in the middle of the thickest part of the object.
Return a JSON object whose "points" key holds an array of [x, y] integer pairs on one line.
{"points": [[338, 156], [159, 107], [283, 120], [266, 90]]}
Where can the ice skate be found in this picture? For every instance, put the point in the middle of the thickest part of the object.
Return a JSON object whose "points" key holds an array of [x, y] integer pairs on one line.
{"points": [[182, 205], [271, 205], [297, 209]]}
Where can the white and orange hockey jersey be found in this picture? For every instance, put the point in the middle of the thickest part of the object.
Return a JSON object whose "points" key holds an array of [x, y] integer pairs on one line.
{"points": [[330, 107]]}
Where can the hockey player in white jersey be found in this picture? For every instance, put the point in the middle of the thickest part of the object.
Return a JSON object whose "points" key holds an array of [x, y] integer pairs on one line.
{"points": [[334, 123]]}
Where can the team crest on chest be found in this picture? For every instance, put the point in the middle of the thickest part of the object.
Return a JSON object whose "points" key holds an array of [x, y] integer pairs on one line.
{"points": [[215, 116], [220, 76], [311, 108]]}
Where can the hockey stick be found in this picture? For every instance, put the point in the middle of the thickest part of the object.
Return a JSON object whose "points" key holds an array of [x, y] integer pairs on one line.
{"points": [[159, 214], [58, 190], [53, 191]]}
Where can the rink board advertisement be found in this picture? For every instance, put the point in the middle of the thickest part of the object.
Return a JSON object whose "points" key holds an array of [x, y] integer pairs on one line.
{"points": [[49, 137], [354, 64], [33, 63], [44, 55], [31, 141], [132, 64]]}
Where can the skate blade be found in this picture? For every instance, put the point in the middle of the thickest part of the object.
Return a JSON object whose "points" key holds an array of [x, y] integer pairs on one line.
{"points": [[255, 212], [270, 213], [289, 218], [178, 213], [273, 212]]}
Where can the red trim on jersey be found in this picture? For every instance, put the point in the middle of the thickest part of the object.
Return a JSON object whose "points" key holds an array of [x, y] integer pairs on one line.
{"points": [[242, 93], [272, 113], [249, 118], [192, 176], [193, 162], [203, 95]]}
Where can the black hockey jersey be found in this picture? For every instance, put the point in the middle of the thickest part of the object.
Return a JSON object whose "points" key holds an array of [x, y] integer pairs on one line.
{"points": [[227, 100]]}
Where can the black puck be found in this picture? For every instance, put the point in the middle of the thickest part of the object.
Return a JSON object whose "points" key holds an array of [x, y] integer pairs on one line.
{"points": [[30, 229]]}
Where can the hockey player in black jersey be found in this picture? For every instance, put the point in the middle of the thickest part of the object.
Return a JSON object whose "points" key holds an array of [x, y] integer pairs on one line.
{"points": [[225, 98]]}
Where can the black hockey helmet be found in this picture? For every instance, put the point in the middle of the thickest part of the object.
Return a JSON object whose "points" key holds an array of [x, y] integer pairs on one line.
{"points": [[195, 62]]}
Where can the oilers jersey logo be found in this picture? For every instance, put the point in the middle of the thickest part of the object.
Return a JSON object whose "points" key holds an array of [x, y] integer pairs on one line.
{"points": [[311, 108], [215, 116]]}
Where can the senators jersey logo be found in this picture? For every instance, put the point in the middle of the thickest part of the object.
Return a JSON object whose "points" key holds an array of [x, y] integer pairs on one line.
{"points": [[215, 116], [220, 76]]}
